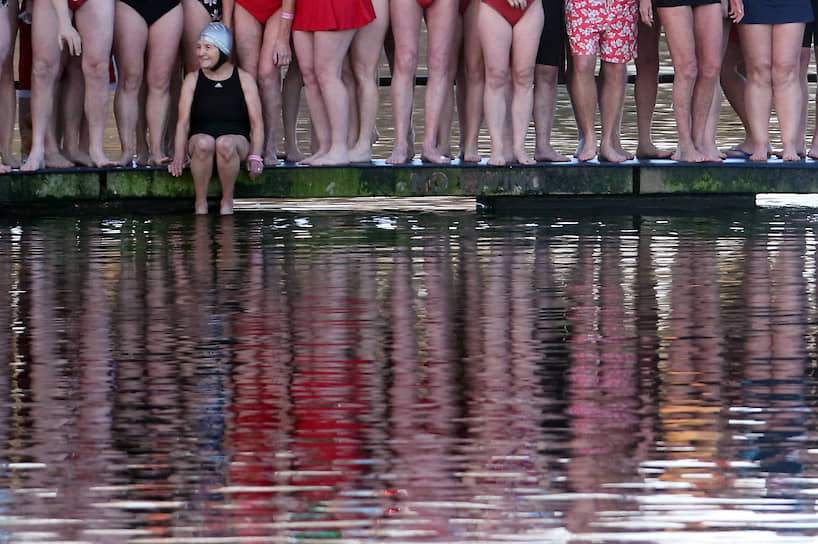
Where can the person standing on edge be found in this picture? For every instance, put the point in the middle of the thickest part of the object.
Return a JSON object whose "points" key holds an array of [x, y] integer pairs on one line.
{"points": [[771, 34], [8, 31], [550, 57], [53, 34], [220, 109], [322, 32], [693, 29], [406, 17], [610, 27]]}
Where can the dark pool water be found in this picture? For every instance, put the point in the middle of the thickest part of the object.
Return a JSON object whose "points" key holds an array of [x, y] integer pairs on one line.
{"points": [[409, 377]]}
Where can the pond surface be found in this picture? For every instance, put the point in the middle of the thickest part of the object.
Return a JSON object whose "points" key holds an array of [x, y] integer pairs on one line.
{"points": [[408, 377]]}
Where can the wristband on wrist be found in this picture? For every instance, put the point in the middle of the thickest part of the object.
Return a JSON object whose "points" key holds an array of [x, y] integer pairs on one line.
{"points": [[286, 15], [256, 158]]}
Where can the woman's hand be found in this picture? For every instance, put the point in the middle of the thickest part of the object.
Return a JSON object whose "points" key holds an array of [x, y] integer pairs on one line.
{"points": [[282, 54], [176, 166], [255, 166], [519, 4], [69, 36], [646, 11], [736, 10]]}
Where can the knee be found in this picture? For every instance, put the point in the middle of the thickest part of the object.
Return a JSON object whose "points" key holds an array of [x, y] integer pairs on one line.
{"points": [[308, 76], [784, 73], [43, 69], [268, 78], [546, 75], [225, 148], [130, 81], [524, 77], [202, 148], [94, 68], [760, 73], [686, 70], [496, 77], [406, 60]]}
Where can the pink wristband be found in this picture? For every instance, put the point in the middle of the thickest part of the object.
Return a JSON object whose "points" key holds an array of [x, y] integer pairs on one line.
{"points": [[286, 15], [254, 158]]}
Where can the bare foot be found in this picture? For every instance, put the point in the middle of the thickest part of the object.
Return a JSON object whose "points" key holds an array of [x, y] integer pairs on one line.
{"points": [[400, 155], [5, 168], [78, 157], [360, 154], [10, 161], [612, 154], [650, 151], [524, 158], [470, 155], [101, 161], [272, 160], [497, 158], [294, 154], [622, 151], [312, 158], [547, 153], [57, 160], [126, 160], [201, 207], [791, 155], [813, 152], [435, 158], [34, 162], [159, 161], [227, 207], [759, 154], [586, 150], [688, 154], [332, 158]]}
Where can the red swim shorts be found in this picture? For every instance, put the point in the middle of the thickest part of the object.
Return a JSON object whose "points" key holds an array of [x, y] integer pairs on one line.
{"points": [[607, 26]]}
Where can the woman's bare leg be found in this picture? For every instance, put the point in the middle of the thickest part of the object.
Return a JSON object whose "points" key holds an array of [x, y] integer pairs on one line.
{"points": [[786, 52], [475, 77], [440, 24], [495, 39], [164, 37], [195, 19], [269, 84], [365, 52], [230, 151], [524, 45], [202, 149], [304, 49], [291, 98], [756, 43], [330, 49], [8, 102], [405, 16]]}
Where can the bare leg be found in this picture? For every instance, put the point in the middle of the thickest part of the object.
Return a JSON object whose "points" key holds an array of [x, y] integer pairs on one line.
{"points": [[72, 91], [496, 39], [645, 89], [733, 83], [163, 43], [786, 41], [202, 149], [269, 84], [195, 19], [304, 49], [475, 81], [95, 23], [8, 102], [230, 151], [405, 16], [611, 100], [756, 43], [365, 52], [291, 97], [713, 116], [813, 150], [584, 100], [130, 41], [330, 49], [545, 97], [524, 45], [45, 70], [440, 24]]}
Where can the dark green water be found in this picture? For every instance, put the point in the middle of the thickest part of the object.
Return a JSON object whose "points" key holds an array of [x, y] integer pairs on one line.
{"points": [[409, 377]]}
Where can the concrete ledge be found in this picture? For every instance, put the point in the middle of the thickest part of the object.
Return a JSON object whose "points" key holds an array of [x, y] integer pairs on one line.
{"points": [[659, 180]]}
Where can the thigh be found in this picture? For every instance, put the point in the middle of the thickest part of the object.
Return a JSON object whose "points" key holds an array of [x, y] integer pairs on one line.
{"points": [[44, 29], [525, 38], [786, 43], [679, 32], [368, 42], [330, 49], [130, 40], [441, 18], [268, 41], [708, 27], [247, 34], [756, 45], [405, 16], [495, 39], [164, 37], [303, 42], [95, 23], [8, 30]]}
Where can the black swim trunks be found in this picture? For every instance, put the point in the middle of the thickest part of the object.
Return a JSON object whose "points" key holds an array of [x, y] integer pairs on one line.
{"points": [[552, 40]]}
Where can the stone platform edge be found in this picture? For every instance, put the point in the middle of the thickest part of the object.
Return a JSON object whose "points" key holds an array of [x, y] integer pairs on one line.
{"points": [[632, 178]]}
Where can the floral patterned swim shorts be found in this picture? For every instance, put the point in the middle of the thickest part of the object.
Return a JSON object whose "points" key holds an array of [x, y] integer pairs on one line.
{"points": [[607, 26]]}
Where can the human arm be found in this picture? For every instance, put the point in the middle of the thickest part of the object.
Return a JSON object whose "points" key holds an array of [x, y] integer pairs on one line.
{"points": [[282, 53], [253, 102], [183, 124], [646, 11], [66, 32]]}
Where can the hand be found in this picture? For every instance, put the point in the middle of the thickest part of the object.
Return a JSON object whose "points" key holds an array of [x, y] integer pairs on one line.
{"points": [[282, 54], [176, 166], [255, 166], [519, 4], [646, 12], [736, 10], [69, 36]]}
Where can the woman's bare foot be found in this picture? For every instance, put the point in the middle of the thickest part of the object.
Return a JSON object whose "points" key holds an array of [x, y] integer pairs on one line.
{"points": [[586, 150], [332, 158], [159, 161], [360, 154], [524, 158], [312, 158], [99, 160], [470, 154], [226, 207], [791, 154], [650, 151], [432, 155], [400, 155], [272, 160], [201, 207], [612, 154], [688, 153], [5, 168], [547, 153], [497, 158], [10, 161], [294, 154]]}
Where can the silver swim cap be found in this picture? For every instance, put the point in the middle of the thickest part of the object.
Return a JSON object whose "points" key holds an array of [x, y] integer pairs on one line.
{"points": [[218, 35]]}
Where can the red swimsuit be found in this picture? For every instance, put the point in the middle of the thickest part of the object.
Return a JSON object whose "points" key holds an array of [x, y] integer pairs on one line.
{"points": [[510, 14], [321, 15], [260, 9]]}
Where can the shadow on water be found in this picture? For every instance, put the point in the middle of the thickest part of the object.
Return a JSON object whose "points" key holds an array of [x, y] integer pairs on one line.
{"points": [[408, 377]]}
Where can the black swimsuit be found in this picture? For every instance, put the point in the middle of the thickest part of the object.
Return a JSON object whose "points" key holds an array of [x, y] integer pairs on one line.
{"points": [[150, 10], [219, 107]]}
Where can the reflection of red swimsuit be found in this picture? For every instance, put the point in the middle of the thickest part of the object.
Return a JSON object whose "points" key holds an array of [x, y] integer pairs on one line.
{"points": [[260, 9], [321, 15], [510, 14]]}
